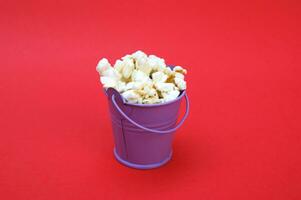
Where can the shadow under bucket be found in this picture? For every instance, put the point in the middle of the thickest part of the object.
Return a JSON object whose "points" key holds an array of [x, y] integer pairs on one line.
{"points": [[143, 133]]}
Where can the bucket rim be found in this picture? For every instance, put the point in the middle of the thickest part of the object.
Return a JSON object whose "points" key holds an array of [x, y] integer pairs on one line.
{"points": [[151, 105], [157, 104]]}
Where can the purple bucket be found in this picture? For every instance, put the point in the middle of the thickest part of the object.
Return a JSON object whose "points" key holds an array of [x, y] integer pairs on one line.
{"points": [[143, 133]]}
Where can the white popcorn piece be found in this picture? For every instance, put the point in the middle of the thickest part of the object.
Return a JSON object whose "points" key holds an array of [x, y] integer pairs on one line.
{"points": [[164, 87], [108, 82], [139, 54], [157, 59], [142, 65], [104, 68], [179, 75], [139, 76], [171, 95], [112, 73], [128, 68], [149, 90], [180, 70], [118, 66], [120, 86], [131, 96], [156, 63], [103, 65], [134, 85], [159, 76], [152, 64], [181, 84], [141, 61]]}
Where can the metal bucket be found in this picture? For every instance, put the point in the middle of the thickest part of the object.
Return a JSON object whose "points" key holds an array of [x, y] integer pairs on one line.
{"points": [[143, 133]]}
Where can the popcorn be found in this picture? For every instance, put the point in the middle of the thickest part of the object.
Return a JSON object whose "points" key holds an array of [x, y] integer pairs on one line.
{"points": [[157, 64], [128, 67], [108, 82], [131, 96], [179, 69], [127, 57], [165, 87], [139, 54], [149, 90], [168, 71], [134, 86], [120, 86], [109, 76], [103, 65], [142, 65], [181, 84], [171, 95], [142, 79], [159, 77], [118, 66], [141, 62], [179, 75], [139, 76], [112, 73]]}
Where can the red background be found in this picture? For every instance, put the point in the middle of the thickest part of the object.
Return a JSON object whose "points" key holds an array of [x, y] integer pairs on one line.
{"points": [[241, 141]]}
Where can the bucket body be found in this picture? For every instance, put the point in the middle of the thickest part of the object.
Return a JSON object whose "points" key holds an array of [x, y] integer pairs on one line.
{"points": [[136, 147]]}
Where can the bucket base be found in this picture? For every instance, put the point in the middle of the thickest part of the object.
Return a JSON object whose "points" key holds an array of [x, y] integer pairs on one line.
{"points": [[139, 166]]}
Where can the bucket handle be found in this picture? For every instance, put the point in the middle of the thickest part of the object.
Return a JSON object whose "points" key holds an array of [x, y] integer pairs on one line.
{"points": [[154, 130]]}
